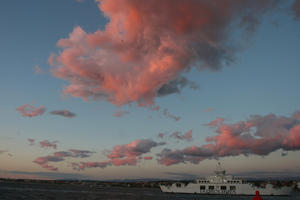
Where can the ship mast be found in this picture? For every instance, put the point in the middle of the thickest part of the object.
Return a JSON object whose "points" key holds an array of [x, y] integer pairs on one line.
{"points": [[219, 171]]}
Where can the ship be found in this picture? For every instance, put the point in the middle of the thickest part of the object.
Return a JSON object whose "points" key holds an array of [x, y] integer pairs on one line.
{"points": [[222, 184]]}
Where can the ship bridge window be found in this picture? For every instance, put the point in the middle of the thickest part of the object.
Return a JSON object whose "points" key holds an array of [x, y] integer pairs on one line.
{"points": [[211, 187], [202, 187], [223, 187], [232, 187]]}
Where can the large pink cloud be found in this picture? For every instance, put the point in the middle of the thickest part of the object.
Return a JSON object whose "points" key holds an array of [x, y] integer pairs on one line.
{"points": [[259, 135], [147, 45], [30, 111]]}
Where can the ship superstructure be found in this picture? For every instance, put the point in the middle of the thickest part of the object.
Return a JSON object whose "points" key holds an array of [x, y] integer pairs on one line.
{"points": [[223, 184]]}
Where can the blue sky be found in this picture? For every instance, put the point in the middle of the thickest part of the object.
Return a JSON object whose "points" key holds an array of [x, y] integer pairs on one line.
{"points": [[263, 79]]}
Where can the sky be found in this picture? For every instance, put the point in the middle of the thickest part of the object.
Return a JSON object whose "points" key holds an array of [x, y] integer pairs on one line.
{"points": [[125, 89]]}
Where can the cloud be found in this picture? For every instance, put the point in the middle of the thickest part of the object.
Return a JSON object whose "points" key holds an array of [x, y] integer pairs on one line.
{"points": [[296, 9], [127, 154], [81, 153], [145, 48], [63, 113], [83, 165], [2, 151], [43, 161], [187, 136], [175, 86], [7, 152], [208, 110], [30, 111], [48, 144], [216, 122], [167, 114], [120, 113], [31, 141], [37, 70], [259, 135], [60, 156], [161, 135]]}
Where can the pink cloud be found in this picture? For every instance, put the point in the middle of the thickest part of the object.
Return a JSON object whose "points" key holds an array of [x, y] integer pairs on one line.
{"points": [[43, 162], [216, 122], [60, 156], [155, 108], [208, 110], [63, 113], [48, 144], [258, 135], [127, 154], [31, 141], [120, 113], [145, 48], [187, 136], [30, 111]]}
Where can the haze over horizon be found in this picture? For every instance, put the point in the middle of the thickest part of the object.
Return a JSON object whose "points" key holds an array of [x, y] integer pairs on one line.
{"points": [[127, 89]]}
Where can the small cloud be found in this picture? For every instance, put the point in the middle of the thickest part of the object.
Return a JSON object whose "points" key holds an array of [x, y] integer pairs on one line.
{"points": [[31, 141], [83, 165], [127, 154], [63, 113], [30, 111], [120, 113], [215, 123], [187, 136], [169, 115], [48, 144], [37, 70], [208, 110], [156, 108]]}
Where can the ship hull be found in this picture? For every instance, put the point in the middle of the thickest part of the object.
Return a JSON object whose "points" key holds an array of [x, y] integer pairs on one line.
{"points": [[243, 189]]}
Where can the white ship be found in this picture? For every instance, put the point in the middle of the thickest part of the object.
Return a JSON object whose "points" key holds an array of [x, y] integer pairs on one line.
{"points": [[222, 184]]}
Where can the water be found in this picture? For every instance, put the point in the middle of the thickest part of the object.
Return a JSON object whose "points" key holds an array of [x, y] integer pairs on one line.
{"points": [[28, 191]]}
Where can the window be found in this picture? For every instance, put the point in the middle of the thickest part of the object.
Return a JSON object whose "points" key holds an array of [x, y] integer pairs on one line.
{"points": [[232, 187], [178, 184], [223, 187], [211, 187], [202, 187]]}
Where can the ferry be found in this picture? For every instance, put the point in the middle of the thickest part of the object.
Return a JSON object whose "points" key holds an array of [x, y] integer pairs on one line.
{"points": [[223, 184]]}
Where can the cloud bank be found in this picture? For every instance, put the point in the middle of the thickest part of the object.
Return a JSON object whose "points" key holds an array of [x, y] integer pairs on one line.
{"points": [[259, 135], [60, 156]]}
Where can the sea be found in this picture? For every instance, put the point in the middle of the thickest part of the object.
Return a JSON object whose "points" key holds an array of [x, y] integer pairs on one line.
{"points": [[28, 191]]}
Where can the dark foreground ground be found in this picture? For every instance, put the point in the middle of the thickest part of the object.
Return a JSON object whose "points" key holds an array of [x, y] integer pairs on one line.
{"points": [[37, 191]]}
